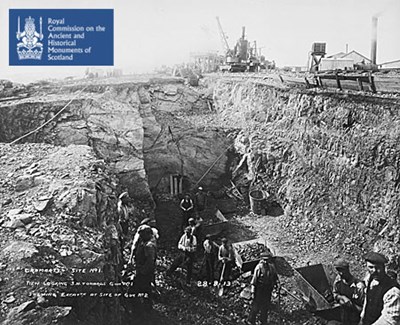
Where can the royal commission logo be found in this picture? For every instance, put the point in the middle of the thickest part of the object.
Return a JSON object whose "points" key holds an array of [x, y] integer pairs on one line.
{"points": [[29, 46], [61, 37]]}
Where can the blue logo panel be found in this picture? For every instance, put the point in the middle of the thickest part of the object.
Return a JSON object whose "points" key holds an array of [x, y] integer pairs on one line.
{"points": [[61, 37]]}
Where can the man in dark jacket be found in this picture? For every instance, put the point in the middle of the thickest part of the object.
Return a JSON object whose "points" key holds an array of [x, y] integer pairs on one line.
{"points": [[201, 200], [186, 206], [145, 259], [382, 300], [210, 254], [264, 280]]}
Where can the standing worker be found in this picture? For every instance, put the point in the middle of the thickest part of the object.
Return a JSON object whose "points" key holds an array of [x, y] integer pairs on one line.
{"points": [[187, 245], [123, 218], [113, 256], [348, 291], [210, 254], [186, 206], [145, 223], [264, 280], [382, 298], [226, 257], [145, 260], [200, 201]]}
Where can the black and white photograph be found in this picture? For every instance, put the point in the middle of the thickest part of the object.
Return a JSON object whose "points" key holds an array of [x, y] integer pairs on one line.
{"points": [[182, 162]]}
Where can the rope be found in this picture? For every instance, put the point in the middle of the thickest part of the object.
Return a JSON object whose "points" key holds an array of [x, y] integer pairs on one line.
{"points": [[47, 122], [213, 164]]}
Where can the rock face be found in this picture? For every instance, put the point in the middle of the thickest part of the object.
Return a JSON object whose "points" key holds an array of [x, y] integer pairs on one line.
{"points": [[331, 160], [50, 228], [140, 129]]}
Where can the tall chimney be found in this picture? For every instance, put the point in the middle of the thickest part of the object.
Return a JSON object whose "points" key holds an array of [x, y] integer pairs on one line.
{"points": [[374, 39], [243, 31]]}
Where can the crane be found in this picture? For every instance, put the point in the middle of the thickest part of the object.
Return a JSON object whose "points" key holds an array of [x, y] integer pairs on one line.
{"points": [[224, 39]]}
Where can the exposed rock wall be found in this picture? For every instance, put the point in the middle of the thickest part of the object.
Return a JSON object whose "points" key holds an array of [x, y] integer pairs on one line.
{"points": [[331, 159], [144, 131], [48, 197]]}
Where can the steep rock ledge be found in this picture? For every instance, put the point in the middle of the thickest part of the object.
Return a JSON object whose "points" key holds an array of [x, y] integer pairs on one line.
{"points": [[330, 159]]}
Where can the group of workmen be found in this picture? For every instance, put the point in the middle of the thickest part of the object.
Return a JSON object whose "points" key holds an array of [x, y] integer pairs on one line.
{"points": [[372, 301]]}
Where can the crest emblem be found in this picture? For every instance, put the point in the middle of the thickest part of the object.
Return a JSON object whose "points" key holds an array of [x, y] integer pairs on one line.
{"points": [[29, 45]]}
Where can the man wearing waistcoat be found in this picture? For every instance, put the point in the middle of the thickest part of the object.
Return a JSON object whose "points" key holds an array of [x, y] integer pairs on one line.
{"points": [[382, 299]]}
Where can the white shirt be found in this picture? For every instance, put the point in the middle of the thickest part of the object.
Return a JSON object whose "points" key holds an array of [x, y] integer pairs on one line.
{"points": [[187, 244]]}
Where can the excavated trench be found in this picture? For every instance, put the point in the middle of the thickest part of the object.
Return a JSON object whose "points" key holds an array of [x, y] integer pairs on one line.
{"points": [[328, 162], [146, 133]]}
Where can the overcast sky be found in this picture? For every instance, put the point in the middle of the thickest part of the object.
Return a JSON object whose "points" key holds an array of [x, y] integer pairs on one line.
{"points": [[149, 33]]}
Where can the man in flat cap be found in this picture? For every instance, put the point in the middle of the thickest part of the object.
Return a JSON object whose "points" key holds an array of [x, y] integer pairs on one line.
{"points": [[348, 291], [200, 201], [382, 300], [265, 279], [145, 223], [187, 245]]}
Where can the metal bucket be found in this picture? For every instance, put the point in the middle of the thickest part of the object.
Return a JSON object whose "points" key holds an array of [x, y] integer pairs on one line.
{"points": [[257, 202]]}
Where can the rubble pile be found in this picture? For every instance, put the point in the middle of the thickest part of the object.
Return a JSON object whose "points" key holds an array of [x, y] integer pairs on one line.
{"points": [[252, 251], [54, 201], [331, 160]]}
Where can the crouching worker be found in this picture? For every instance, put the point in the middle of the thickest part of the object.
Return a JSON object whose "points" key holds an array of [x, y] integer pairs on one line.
{"points": [[187, 245], [145, 260], [264, 280], [348, 292]]}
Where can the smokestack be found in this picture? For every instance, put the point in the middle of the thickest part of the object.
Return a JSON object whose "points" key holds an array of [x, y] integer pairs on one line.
{"points": [[347, 48], [243, 31], [374, 39]]}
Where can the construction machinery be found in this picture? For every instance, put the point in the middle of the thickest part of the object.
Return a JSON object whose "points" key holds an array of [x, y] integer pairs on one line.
{"points": [[243, 57]]}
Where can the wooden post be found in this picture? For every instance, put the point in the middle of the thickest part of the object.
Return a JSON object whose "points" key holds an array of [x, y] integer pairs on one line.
{"points": [[307, 83], [360, 84], [320, 82], [171, 184], [175, 185], [338, 80], [180, 189], [316, 81], [372, 83]]}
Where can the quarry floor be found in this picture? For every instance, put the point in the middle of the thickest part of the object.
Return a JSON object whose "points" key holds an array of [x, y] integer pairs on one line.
{"points": [[176, 302], [195, 304]]}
